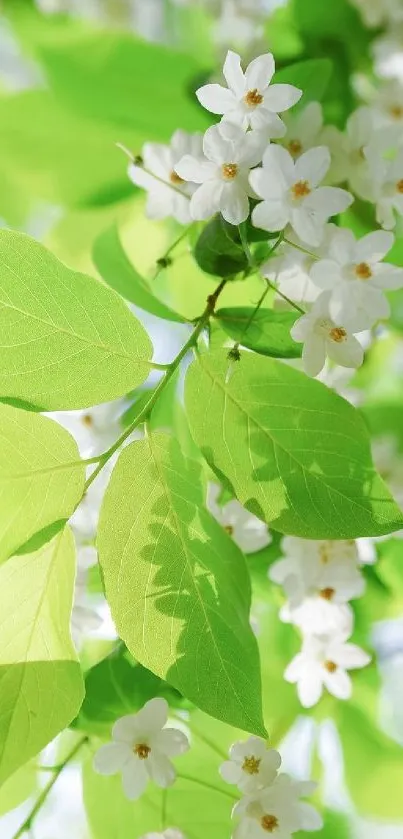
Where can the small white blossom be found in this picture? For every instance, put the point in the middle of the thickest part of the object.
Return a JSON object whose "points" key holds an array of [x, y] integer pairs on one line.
{"points": [[291, 268], [323, 337], [222, 174], [167, 193], [387, 51], [141, 749], [377, 12], [364, 140], [387, 190], [235, 26], [388, 106], [277, 811], [94, 429], [304, 129], [323, 663], [249, 99], [356, 277], [252, 765], [247, 531], [291, 194]]}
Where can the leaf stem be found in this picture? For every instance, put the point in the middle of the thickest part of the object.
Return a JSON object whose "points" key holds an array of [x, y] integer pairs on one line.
{"points": [[164, 259], [169, 372], [300, 248], [208, 786], [255, 267], [25, 827]]}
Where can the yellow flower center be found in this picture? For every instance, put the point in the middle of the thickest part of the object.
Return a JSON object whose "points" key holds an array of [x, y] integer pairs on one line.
{"points": [[269, 823], [228, 529], [87, 420], [327, 593], [338, 334], [301, 189], [399, 186], [253, 98], [175, 178], [141, 750], [229, 171], [295, 147], [330, 666], [251, 765], [363, 271], [396, 111]]}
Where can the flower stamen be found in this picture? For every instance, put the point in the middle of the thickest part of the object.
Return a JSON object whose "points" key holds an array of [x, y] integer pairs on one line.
{"points": [[363, 271], [251, 765], [338, 334], [141, 750], [327, 593], [295, 147], [330, 666], [269, 823], [229, 171], [253, 98], [175, 178], [228, 529], [399, 186], [300, 190], [87, 420]]}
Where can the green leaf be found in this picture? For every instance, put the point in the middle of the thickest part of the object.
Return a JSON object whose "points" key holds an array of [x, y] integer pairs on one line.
{"points": [[312, 77], [268, 334], [67, 341], [22, 784], [117, 686], [177, 585], [41, 685], [294, 452], [118, 272], [41, 476], [218, 250]]}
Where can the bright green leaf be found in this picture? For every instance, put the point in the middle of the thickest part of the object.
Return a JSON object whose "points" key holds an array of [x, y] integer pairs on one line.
{"points": [[118, 272], [67, 341], [312, 77], [294, 452], [177, 585], [22, 784], [41, 476], [268, 334], [41, 685], [218, 250]]}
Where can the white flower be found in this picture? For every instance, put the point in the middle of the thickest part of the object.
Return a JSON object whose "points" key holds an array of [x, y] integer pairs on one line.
{"points": [[304, 129], [222, 174], [290, 270], [388, 105], [292, 196], [323, 337], [250, 100], [141, 749], [251, 766], [388, 54], [387, 190], [377, 12], [351, 152], [94, 429], [168, 195], [356, 277], [277, 811], [323, 662], [235, 26], [247, 531]]}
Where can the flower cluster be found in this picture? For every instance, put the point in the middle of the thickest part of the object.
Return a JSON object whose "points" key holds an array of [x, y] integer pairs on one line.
{"points": [[248, 532], [319, 579], [291, 167], [141, 749]]}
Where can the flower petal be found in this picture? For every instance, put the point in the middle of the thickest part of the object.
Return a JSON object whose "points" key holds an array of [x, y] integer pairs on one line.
{"points": [[314, 354], [374, 246], [310, 688], [216, 147], [281, 97], [338, 683], [195, 169], [307, 225], [153, 716], [348, 353], [161, 770], [325, 273], [310, 819], [350, 656], [126, 729], [230, 772], [171, 742], [216, 99], [233, 73], [295, 668], [134, 779], [205, 202], [270, 215], [387, 276], [260, 72], [234, 203], [329, 200], [111, 758], [313, 165]]}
